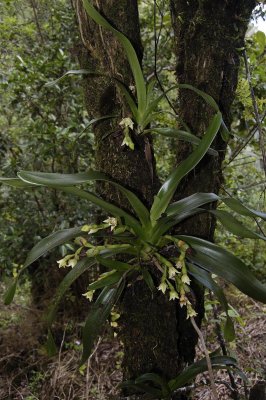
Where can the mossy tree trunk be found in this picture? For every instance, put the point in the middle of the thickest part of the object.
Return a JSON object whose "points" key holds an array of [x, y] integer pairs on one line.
{"points": [[154, 331], [208, 36]]}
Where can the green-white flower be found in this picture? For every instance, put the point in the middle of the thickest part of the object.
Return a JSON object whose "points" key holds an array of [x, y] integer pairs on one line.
{"points": [[162, 287], [173, 295], [89, 295], [172, 272]]}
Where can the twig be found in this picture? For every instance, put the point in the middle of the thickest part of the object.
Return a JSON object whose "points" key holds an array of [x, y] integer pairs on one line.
{"points": [[250, 135], [208, 360], [256, 112], [88, 369], [34, 8], [156, 42]]}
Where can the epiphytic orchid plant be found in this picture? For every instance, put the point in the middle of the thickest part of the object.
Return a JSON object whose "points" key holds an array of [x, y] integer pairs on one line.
{"points": [[141, 237]]}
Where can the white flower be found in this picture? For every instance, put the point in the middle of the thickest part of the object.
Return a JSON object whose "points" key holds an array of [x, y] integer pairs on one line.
{"points": [[127, 123], [71, 263], [162, 287], [179, 264], [61, 263], [173, 295], [112, 222], [89, 295], [172, 272], [185, 279], [183, 301], [190, 312], [64, 261]]}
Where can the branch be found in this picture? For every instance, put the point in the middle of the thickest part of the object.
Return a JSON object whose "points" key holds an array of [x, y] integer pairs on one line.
{"points": [[208, 360], [256, 112]]}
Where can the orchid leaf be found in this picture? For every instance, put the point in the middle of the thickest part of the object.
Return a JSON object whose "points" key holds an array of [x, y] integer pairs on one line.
{"points": [[101, 309], [168, 189], [222, 263]]}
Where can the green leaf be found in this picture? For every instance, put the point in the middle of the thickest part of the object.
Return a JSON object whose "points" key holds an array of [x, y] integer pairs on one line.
{"points": [[220, 262], [16, 183], [114, 264], [60, 180], [101, 309], [46, 244], [235, 226], [50, 345], [168, 189], [142, 388], [198, 367], [10, 293], [205, 279], [130, 52], [108, 207], [71, 72], [108, 280], [190, 203], [49, 243], [238, 207], [181, 135], [229, 330], [130, 100], [148, 279], [82, 266], [208, 99], [157, 380], [73, 275], [65, 181], [164, 224]]}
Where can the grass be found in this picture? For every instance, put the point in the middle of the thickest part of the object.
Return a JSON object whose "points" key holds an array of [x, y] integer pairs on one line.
{"points": [[27, 373]]}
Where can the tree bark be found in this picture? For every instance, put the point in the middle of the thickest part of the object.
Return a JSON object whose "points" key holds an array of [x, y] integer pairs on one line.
{"points": [[208, 35], [148, 327]]}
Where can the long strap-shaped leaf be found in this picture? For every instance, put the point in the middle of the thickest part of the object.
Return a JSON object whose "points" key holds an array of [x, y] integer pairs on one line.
{"points": [[56, 180], [206, 280], [44, 245], [130, 52], [199, 199], [101, 309], [49, 243], [168, 189], [108, 207], [16, 183], [200, 366], [81, 266], [238, 207], [181, 135], [74, 274], [164, 224], [220, 262], [189, 203], [235, 226]]}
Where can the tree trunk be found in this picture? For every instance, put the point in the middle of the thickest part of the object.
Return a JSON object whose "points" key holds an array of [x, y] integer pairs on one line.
{"points": [[150, 344], [208, 35]]}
